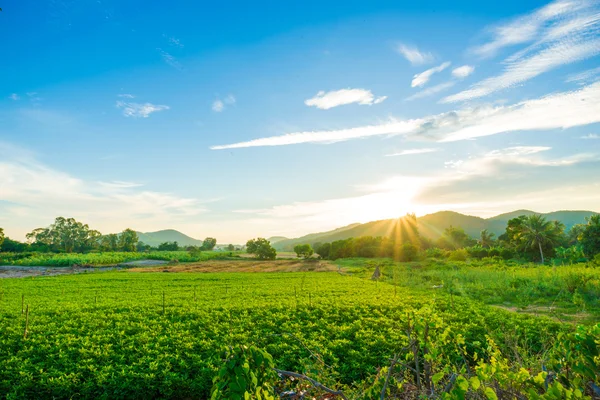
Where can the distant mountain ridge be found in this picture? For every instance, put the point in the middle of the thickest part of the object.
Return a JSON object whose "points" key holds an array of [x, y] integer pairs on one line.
{"points": [[433, 225], [167, 235]]}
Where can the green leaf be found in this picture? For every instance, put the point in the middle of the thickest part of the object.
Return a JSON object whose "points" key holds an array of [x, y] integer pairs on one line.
{"points": [[490, 394], [437, 377], [475, 383]]}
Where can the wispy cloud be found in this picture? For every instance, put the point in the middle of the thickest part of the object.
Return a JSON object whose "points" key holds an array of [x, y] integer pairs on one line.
{"points": [[557, 111], [527, 27], [584, 77], [431, 91], [219, 105], [413, 151], [14, 96], [564, 32], [120, 184], [523, 70], [463, 72], [590, 136], [42, 191], [445, 189], [414, 55], [139, 110], [173, 41], [168, 58], [126, 95], [422, 78], [336, 98]]}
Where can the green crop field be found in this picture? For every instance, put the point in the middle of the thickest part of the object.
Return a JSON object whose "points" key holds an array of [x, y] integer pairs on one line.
{"points": [[162, 335], [106, 258]]}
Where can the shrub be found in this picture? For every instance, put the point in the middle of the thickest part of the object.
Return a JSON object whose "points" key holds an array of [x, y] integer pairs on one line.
{"points": [[506, 253], [458, 255], [435, 252], [408, 252]]}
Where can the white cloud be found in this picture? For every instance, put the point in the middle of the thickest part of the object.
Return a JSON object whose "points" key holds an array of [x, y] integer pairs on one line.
{"points": [[413, 151], [168, 58], [584, 77], [591, 136], [392, 127], [422, 78], [526, 28], [14, 96], [557, 111], [126, 95], [139, 110], [120, 184], [230, 99], [453, 189], [341, 97], [431, 91], [463, 72], [41, 193], [218, 106], [517, 151], [561, 110], [572, 36], [526, 156], [413, 55]]}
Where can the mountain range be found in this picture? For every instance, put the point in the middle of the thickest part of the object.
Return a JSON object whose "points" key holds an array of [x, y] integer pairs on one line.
{"points": [[432, 226]]}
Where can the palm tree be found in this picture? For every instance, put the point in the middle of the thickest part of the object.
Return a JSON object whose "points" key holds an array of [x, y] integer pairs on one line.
{"points": [[537, 231], [486, 238]]}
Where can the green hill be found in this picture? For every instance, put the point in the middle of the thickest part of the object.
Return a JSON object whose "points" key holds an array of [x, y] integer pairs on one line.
{"points": [[275, 239], [432, 226], [168, 235]]}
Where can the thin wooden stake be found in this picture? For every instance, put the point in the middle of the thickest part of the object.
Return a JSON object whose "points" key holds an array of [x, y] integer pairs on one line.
{"points": [[309, 299], [194, 293], [26, 322], [22, 303]]}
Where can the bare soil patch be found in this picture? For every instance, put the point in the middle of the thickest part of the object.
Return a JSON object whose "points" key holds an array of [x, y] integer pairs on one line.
{"points": [[245, 265]]}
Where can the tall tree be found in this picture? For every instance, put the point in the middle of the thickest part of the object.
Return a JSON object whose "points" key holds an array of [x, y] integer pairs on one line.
{"points": [[109, 242], [261, 248], [304, 250], [590, 237], [537, 232], [1, 236], [454, 238], [66, 234], [208, 244], [127, 240], [486, 239]]}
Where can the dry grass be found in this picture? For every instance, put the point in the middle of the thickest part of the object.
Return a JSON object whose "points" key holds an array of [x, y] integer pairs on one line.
{"points": [[244, 265]]}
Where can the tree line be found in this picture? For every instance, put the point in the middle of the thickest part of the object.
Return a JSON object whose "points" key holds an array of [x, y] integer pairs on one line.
{"points": [[67, 235], [531, 238]]}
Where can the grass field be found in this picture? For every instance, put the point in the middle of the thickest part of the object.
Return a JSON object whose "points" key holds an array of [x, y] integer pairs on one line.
{"points": [[569, 293], [155, 334]]}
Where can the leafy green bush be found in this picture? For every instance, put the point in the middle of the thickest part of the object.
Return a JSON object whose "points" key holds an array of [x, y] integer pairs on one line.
{"points": [[247, 373], [458, 255]]}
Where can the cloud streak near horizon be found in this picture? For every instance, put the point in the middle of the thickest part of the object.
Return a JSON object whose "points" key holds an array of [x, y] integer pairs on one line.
{"points": [[560, 110]]}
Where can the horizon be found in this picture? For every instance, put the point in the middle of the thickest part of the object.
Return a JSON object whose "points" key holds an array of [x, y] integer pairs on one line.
{"points": [[220, 242], [244, 120]]}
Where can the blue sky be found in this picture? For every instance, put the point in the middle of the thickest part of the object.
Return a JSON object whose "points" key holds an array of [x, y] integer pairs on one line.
{"points": [[239, 120]]}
